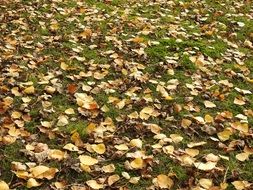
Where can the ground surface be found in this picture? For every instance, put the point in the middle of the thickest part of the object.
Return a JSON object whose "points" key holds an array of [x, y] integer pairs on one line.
{"points": [[126, 94]]}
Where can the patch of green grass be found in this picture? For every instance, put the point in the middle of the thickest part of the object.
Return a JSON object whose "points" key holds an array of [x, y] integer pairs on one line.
{"points": [[166, 165], [8, 154], [78, 126]]}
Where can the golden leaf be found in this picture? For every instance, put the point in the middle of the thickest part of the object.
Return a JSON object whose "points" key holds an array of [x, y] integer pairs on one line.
{"points": [[87, 160], [29, 90], [206, 183], [136, 143], [94, 185], [164, 182], [32, 183], [4, 186], [137, 163], [71, 147], [242, 156], [113, 179], [205, 166], [99, 148], [108, 168], [185, 123], [225, 135]]}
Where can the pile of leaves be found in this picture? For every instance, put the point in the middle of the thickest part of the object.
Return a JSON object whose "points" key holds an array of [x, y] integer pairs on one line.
{"points": [[115, 94]]}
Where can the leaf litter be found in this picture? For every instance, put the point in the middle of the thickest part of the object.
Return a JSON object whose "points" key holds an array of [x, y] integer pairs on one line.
{"points": [[126, 94]]}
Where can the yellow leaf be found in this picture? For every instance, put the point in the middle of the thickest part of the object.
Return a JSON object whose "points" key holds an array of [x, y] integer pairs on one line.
{"points": [[4, 186], [32, 183], [137, 163], [71, 147], [185, 123], [209, 104], [136, 143], [176, 138], [85, 168], [208, 118], [223, 186], [94, 185], [146, 112], [90, 128], [62, 120], [242, 156], [206, 183], [113, 179], [225, 135], [239, 102], [194, 144], [243, 127], [87, 160], [164, 182], [241, 185], [69, 111], [205, 166], [22, 174], [138, 39], [49, 174], [38, 171], [108, 168], [64, 66], [54, 26], [121, 147], [16, 115], [192, 152], [57, 154], [99, 148], [134, 180], [87, 33], [29, 90], [168, 149], [59, 185]]}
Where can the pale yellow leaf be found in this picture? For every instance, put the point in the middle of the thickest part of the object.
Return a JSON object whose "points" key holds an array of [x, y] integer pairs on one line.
{"points": [[71, 147], [113, 179], [99, 148], [242, 156], [205, 166], [206, 183], [209, 104], [32, 183], [4, 185], [136, 143], [94, 185], [164, 181], [87, 160]]}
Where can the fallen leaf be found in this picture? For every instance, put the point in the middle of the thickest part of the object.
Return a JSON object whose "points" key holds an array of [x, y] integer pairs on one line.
{"points": [[242, 156], [209, 104], [4, 185], [29, 90], [87, 160], [99, 148], [164, 182], [185, 123], [205, 166], [94, 185], [32, 183], [113, 179], [137, 163], [206, 183]]}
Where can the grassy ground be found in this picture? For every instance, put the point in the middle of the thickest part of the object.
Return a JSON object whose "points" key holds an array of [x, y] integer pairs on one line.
{"points": [[119, 53]]}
